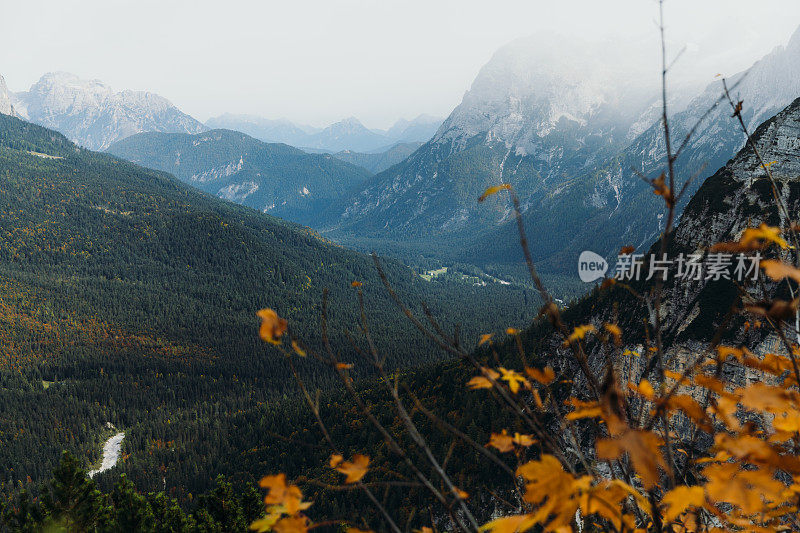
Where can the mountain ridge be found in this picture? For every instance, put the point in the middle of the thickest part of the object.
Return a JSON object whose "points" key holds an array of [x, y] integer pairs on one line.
{"points": [[92, 114]]}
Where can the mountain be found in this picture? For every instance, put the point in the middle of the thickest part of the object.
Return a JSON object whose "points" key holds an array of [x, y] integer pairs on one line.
{"points": [[129, 297], [736, 197], [565, 127], [6, 104], [381, 160], [347, 134], [536, 115], [273, 178], [420, 129], [264, 129], [93, 115]]}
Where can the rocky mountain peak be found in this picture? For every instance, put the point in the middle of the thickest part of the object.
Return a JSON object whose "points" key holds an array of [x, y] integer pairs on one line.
{"points": [[91, 113]]}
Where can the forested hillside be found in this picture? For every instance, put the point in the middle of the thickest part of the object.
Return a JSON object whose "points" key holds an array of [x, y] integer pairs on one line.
{"points": [[129, 297], [273, 178]]}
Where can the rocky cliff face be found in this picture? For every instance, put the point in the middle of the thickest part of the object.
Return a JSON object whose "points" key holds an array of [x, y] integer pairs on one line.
{"points": [[6, 106], [92, 114], [738, 196]]}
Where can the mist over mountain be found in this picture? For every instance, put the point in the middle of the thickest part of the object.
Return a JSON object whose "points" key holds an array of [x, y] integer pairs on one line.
{"points": [[380, 160], [93, 115], [566, 126], [345, 135], [264, 129]]}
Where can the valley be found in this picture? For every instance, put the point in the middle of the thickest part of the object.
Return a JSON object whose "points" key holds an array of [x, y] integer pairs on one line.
{"points": [[214, 319]]}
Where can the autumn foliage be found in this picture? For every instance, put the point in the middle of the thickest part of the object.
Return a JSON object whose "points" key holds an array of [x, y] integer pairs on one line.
{"points": [[694, 448]]}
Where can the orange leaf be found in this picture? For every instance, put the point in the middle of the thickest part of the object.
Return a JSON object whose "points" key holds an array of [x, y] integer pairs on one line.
{"points": [[272, 326], [680, 499], [494, 190], [523, 440], [297, 349], [615, 331], [778, 270], [355, 469], [643, 449], [502, 441], [291, 524], [514, 379], [544, 376], [579, 333]]}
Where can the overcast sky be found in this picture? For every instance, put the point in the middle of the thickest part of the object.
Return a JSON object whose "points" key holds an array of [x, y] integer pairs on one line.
{"points": [[317, 61]]}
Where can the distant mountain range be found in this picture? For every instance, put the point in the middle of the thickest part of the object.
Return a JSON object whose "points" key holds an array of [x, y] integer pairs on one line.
{"points": [[348, 134], [92, 114], [271, 177]]}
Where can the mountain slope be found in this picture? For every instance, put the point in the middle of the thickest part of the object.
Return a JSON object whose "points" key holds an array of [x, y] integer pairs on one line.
{"points": [[736, 197], [273, 178], [421, 129], [535, 115], [568, 144], [91, 114], [379, 161], [129, 297]]}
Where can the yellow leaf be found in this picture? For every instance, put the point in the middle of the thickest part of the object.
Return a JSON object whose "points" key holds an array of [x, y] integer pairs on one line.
{"points": [[644, 389], [479, 382], [356, 284], [513, 378], [544, 376], [579, 333], [755, 236], [494, 190], [486, 337], [643, 449], [344, 366], [512, 331], [778, 270], [279, 493], [272, 326], [461, 494], [508, 524], [523, 440], [353, 470], [292, 524], [615, 331], [298, 350], [502, 441], [266, 523], [680, 499], [483, 382], [584, 409]]}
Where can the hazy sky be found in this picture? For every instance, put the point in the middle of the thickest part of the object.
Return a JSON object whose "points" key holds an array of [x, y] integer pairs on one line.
{"points": [[316, 61]]}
